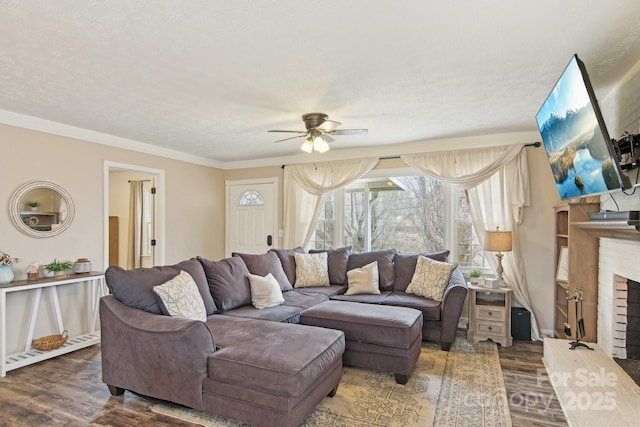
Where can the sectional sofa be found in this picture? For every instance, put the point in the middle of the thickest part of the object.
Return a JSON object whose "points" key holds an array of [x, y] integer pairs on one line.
{"points": [[256, 365]]}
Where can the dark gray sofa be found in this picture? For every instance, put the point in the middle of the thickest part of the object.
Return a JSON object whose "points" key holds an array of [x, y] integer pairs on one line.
{"points": [[244, 363]]}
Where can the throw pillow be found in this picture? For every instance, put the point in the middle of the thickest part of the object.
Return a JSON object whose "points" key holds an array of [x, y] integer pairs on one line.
{"points": [[405, 266], [228, 282], [431, 278], [265, 291], [287, 261], [263, 264], [311, 270], [337, 260], [384, 258], [364, 280], [134, 288], [180, 297]]}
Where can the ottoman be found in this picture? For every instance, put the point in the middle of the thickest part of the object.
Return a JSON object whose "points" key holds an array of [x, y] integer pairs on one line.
{"points": [[384, 338]]}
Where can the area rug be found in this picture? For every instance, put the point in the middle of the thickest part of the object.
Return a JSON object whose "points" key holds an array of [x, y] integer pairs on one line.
{"points": [[462, 387]]}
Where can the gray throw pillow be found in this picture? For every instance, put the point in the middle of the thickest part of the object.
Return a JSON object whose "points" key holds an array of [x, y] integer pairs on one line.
{"points": [[337, 261], [287, 261], [263, 264], [228, 282], [385, 265], [134, 288]]}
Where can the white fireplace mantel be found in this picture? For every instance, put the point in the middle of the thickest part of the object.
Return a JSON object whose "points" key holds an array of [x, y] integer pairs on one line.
{"points": [[610, 229]]}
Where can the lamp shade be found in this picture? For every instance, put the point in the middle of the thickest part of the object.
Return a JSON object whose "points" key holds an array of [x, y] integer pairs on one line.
{"points": [[497, 241]]}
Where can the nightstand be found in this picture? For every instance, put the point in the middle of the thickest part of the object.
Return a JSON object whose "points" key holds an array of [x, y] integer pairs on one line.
{"points": [[490, 315]]}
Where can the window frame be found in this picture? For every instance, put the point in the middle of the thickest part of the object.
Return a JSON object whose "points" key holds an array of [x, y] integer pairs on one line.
{"points": [[451, 209]]}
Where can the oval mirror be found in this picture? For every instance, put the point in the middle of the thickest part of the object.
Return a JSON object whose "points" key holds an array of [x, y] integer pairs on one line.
{"points": [[41, 209]]}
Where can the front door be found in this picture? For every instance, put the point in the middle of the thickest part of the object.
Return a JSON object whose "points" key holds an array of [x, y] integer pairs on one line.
{"points": [[251, 216]]}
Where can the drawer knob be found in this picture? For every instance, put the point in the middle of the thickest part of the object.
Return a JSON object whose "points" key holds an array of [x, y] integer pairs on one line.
{"points": [[490, 328], [491, 313]]}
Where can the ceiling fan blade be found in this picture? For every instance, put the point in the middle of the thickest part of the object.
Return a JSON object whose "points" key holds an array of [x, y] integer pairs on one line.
{"points": [[328, 125], [349, 132], [288, 131], [293, 137], [327, 138]]}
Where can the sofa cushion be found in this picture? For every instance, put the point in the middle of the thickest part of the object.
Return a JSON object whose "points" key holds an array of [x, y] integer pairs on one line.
{"points": [[337, 259], [405, 266], [263, 264], [134, 288], [287, 261], [431, 309], [265, 291], [431, 278], [278, 313], [385, 265], [180, 297], [228, 282], [329, 291], [311, 270], [270, 357], [363, 280], [364, 298], [303, 300]]}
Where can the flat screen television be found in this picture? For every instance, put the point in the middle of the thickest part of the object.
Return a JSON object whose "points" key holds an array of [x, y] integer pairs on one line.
{"points": [[580, 152]]}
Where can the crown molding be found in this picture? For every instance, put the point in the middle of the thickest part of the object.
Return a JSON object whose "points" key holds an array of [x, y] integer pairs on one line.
{"points": [[389, 150], [48, 126]]}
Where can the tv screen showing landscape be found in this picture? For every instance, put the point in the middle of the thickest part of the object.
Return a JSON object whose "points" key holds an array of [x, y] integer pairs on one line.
{"points": [[575, 138]]}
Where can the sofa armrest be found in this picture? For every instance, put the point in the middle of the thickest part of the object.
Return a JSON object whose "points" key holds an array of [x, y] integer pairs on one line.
{"points": [[451, 308], [159, 356]]}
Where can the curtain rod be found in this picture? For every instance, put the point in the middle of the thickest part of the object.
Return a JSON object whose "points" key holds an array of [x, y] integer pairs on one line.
{"points": [[142, 180], [531, 144]]}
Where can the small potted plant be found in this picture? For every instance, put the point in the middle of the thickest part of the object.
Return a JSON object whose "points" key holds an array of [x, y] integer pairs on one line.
{"points": [[474, 275], [57, 268], [33, 205]]}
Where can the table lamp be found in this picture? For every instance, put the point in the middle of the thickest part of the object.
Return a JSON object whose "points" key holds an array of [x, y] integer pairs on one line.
{"points": [[498, 241]]}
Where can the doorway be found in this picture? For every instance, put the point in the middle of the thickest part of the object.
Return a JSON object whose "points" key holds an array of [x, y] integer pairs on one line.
{"points": [[118, 216], [251, 215]]}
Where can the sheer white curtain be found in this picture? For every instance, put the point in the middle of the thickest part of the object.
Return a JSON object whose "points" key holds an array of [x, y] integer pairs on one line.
{"points": [[497, 184], [136, 223], [304, 188]]}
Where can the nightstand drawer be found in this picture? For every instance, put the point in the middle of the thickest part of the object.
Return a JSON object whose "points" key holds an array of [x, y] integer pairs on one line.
{"points": [[490, 313], [495, 328]]}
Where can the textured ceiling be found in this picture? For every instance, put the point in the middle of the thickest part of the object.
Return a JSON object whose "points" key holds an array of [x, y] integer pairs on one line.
{"points": [[209, 78]]}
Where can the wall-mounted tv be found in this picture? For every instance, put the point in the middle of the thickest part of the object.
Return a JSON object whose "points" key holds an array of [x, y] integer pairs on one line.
{"points": [[580, 152]]}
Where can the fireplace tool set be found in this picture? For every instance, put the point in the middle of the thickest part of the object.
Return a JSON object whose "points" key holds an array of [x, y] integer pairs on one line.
{"points": [[578, 299]]}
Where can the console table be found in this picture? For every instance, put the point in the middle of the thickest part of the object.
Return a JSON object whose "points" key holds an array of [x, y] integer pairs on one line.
{"points": [[95, 282]]}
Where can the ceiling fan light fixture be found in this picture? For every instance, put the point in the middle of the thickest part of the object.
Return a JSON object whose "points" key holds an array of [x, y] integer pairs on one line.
{"points": [[307, 145], [320, 145]]}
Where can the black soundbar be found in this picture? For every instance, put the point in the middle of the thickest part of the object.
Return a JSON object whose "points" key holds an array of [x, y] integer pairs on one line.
{"points": [[615, 216]]}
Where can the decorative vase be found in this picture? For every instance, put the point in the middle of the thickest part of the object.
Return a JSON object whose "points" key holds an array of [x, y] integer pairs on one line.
{"points": [[81, 266], [6, 274]]}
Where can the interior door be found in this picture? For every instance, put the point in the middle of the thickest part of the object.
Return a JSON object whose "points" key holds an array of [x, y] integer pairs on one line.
{"points": [[251, 216]]}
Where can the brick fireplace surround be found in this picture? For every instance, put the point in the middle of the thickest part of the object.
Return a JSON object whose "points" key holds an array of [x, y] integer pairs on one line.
{"points": [[618, 261]]}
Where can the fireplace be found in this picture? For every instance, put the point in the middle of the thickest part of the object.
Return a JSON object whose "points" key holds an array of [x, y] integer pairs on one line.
{"points": [[618, 298]]}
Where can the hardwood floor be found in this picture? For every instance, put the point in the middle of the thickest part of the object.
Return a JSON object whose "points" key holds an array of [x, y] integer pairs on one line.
{"points": [[68, 391], [532, 401]]}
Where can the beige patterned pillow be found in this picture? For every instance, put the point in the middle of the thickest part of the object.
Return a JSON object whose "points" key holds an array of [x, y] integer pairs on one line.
{"points": [[181, 297], [311, 270], [364, 280], [431, 278]]}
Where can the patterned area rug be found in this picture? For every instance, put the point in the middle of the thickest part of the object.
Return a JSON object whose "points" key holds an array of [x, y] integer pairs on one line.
{"points": [[463, 387]]}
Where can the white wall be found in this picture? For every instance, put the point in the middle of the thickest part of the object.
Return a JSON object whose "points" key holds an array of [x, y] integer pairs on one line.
{"points": [[194, 213]]}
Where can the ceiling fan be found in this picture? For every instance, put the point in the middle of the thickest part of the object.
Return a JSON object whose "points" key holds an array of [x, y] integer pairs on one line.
{"points": [[317, 136]]}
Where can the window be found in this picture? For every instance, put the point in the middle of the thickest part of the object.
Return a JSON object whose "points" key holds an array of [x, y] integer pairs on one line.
{"points": [[251, 197], [411, 213]]}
